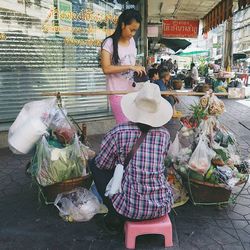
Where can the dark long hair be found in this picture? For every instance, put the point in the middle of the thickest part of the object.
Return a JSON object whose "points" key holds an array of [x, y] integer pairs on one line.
{"points": [[143, 127], [126, 17]]}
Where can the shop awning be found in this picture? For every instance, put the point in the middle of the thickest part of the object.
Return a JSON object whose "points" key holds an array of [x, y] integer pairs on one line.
{"points": [[219, 14], [179, 9], [175, 44], [191, 52]]}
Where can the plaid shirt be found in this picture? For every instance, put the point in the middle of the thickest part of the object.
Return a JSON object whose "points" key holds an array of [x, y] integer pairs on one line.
{"points": [[145, 192]]}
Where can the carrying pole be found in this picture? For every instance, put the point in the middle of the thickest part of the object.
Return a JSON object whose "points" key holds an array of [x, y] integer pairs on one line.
{"points": [[98, 93]]}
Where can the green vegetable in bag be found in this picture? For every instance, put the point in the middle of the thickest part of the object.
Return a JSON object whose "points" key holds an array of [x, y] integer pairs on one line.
{"points": [[222, 152], [52, 165]]}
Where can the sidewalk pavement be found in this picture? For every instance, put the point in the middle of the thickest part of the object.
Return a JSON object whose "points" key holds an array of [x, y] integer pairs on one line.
{"points": [[26, 224]]}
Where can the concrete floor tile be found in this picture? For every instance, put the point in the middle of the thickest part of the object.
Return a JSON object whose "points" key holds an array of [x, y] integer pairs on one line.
{"points": [[234, 246], [241, 210], [244, 236]]}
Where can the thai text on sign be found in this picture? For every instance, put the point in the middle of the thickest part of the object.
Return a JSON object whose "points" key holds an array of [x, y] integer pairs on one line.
{"points": [[180, 28]]}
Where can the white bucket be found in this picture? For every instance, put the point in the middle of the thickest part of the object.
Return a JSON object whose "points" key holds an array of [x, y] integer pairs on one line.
{"points": [[26, 136]]}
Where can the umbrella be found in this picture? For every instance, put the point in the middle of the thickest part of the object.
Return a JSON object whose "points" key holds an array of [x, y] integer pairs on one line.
{"points": [[237, 56], [175, 44]]}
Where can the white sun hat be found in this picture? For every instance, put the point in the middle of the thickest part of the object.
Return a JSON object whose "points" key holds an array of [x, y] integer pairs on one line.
{"points": [[147, 106]]}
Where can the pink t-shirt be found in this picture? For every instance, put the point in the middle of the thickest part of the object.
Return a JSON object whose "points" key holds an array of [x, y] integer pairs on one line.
{"points": [[127, 55]]}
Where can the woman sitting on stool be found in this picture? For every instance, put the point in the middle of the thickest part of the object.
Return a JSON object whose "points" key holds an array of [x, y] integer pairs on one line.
{"points": [[145, 193]]}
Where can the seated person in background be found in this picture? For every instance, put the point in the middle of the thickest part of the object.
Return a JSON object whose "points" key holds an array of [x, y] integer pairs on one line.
{"points": [[155, 66], [145, 192], [153, 75], [164, 85]]}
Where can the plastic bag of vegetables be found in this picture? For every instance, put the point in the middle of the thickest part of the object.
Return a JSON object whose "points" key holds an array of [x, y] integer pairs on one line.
{"points": [[200, 160], [52, 164]]}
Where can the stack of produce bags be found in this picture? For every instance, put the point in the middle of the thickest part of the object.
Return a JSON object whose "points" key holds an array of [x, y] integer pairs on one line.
{"points": [[210, 153], [44, 129], [60, 156]]}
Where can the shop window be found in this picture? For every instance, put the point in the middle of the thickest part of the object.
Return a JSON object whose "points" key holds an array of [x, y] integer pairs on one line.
{"points": [[50, 50]]}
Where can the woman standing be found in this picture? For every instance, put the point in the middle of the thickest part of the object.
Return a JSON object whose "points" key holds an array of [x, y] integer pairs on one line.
{"points": [[118, 57], [194, 74]]}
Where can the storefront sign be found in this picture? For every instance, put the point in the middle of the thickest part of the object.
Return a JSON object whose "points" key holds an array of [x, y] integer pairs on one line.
{"points": [[84, 15], [180, 28], [64, 7]]}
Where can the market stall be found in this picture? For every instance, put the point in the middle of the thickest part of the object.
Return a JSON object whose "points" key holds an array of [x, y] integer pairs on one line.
{"points": [[204, 158]]}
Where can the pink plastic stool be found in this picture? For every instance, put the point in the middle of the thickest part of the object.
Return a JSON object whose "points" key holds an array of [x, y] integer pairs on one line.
{"points": [[160, 225]]}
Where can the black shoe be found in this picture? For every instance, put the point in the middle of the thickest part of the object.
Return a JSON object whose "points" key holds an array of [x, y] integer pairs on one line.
{"points": [[113, 224]]}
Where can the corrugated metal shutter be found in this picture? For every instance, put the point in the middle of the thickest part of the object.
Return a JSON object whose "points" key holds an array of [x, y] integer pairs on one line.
{"points": [[31, 63]]}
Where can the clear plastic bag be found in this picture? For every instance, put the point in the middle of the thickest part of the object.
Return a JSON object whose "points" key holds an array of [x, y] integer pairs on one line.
{"points": [[79, 205], [207, 126], [51, 165], [62, 126], [216, 106], [200, 160], [174, 148]]}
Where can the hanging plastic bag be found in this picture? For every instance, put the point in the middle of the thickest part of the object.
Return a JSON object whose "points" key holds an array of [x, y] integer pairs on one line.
{"points": [[30, 124], [79, 205], [216, 106], [207, 126], [36, 109], [62, 126], [115, 184], [174, 148], [24, 138], [52, 165], [200, 160]]}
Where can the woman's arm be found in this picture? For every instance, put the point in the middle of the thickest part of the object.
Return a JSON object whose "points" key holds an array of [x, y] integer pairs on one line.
{"points": [[108, 68]]}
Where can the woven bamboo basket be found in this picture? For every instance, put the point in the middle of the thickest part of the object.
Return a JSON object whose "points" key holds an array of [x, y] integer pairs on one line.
{"points": [[50, 192], [205, 193], [177, 84]]}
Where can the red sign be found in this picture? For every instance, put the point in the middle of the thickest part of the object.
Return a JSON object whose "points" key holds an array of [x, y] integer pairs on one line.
{"points": [[180, 28]]}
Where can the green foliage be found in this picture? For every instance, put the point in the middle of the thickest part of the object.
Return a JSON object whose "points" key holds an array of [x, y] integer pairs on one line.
{"points": [[203, 67], [199, 113]]}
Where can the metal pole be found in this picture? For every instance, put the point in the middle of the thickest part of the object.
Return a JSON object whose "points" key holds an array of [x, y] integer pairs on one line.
{"points": [[145, 36], [227, 58]]}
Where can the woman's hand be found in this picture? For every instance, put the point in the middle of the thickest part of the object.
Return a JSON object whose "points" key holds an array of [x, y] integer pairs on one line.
{"points": [[140, 70]]}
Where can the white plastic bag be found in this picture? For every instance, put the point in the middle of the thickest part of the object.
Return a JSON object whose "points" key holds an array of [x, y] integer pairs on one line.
{"points": [[207, 126], [200, 160], [33, 116], [36, 109], [24, 138], [175, 147], [79, 204], [114, 185]]}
